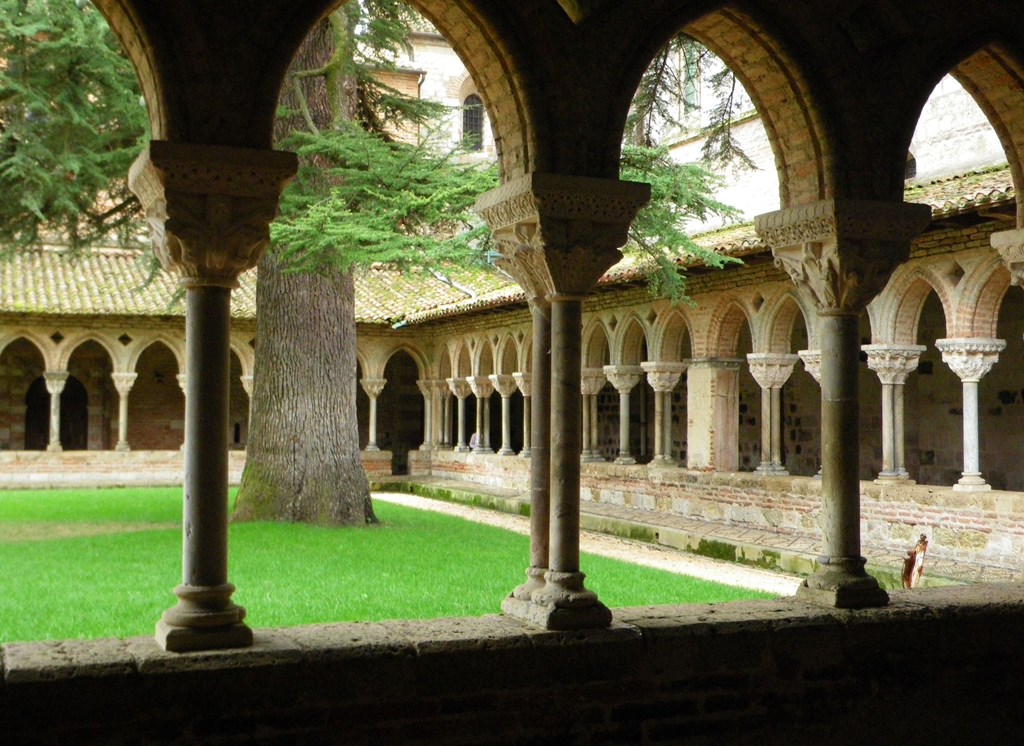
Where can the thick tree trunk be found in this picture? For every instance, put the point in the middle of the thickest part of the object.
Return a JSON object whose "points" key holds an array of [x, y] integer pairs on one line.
{"points": [[303, 459]]}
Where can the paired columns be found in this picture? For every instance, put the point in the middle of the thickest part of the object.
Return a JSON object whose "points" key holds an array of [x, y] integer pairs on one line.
{"points": [[427, 389], [840, 254], [523, 381], [482, 389], [893, 363], [505, 385], [592, 380], [55, 381], [460, 388], [812, 364], [663, 377], [624, 378], [209, 209], [971, 360], [557, 235], [373, 388], [771, 371]]}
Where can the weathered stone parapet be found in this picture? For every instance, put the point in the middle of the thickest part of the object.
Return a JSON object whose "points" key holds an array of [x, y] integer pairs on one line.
{"points": [[209, 207]]}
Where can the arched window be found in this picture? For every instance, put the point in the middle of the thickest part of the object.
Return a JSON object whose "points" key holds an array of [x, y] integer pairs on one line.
{"points": [[473, 123], [911, 170]]}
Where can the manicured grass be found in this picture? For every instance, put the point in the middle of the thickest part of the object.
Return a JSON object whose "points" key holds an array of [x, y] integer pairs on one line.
{"points": [[115, 581]]}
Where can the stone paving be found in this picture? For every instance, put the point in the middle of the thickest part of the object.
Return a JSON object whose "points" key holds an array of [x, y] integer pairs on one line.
{"points": [[790, 552]]}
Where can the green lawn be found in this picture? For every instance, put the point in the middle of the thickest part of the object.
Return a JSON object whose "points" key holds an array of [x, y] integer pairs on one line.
{"points": [[101, 563]]}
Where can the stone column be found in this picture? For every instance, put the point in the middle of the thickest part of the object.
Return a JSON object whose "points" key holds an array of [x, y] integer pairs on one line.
{"points": [[592, 380], [372, 387], [505, 385], [460, 388], [893, 363], [209, 208], [971, 360], [482, 390], [427, 389], [712, 414], [557, 235], [771, 371], [663, 377], [524, 383], [123, 382], [812, 364], [444, 395], [624, 378], [840, 254], [55, 381]]}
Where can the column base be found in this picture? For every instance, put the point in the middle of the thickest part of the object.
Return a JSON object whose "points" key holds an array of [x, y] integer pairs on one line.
{"points": [[462, 449], [772, 470], [534, 582], [596, 616], [625, 460], [372, 447], [593, 458], [525, 453], [972, 483], [122, 448], [191, 639], [54, 447], [662, 462], [203, 619], [893, 479], [506, 452], [842, 583]]}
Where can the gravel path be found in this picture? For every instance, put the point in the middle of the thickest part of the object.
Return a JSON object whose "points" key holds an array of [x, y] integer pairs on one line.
{"points": [[649, 555]]}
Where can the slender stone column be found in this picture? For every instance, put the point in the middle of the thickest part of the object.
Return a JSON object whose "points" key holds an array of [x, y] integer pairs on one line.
{"points": [[592, 380], [524, 383], [444, 395], [624, 378], [209, 208], [482, 390], [505, 385], [123, 382], [460, 388], [840, 254], [893, 363], [55, 381], [663, 378], [438, 402], [771, 371], [372, 387], [557, 235], [426, 388], [812, 364], [971, 360]]}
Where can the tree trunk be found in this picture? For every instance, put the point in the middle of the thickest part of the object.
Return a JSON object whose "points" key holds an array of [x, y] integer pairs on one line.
{"points": [[303, 459]]}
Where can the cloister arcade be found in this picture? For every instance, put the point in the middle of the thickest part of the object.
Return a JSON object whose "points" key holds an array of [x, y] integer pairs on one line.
{"points": [[854, 272]]}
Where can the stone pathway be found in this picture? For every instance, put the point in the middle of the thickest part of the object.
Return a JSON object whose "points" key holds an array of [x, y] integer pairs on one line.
{"points": [[648, 555]]}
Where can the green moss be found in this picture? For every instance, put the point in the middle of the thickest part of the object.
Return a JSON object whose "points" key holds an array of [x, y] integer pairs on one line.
{"points": [[768, 559], [716, 550]]}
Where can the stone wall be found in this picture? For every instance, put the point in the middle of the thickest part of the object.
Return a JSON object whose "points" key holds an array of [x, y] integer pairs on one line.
{"points": [[936, 666]]}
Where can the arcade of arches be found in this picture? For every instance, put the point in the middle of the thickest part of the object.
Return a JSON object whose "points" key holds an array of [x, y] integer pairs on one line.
{"points": [[715, 386]]}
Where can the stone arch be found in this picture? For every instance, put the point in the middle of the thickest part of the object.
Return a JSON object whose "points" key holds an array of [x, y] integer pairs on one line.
{"points": [[977, 309], [156, 406], [483, 358], [69, 345], [400, 407], [630, 346], [422, 367], [672, 340], [507, 362], [94, 428], [247, 355], [778, 317], [725, 327], [444, 364], [363, 369], [21, 364], [462, 364], [176, 346], [596, 346], [896, 312], [46, 347]]}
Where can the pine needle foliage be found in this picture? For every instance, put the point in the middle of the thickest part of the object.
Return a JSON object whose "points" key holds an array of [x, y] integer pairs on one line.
{"points": [[71, 122]]}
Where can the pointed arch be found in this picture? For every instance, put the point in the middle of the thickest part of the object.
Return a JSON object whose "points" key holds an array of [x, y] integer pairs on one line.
{"points": [[630, 345], [69, 345], [725, 326], [171, 343], [778, 317], [671, 338], [596, 345], [978, 305]]}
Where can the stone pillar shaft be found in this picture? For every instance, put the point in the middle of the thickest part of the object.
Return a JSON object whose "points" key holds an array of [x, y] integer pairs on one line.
{"points": [[525, 383], [55, 382], [123, 383], [624, 378], [373, 388], [591, 382], [771, 371]]}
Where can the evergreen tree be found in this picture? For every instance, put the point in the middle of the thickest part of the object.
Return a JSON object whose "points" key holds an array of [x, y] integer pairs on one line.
{"points": [[71, 122]]}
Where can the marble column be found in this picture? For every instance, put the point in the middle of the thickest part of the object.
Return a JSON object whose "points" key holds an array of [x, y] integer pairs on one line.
{"points": [[55, 381], [524, 383], [557, 235], [426, 388], [812, 364], [840, 254], [663, 378], [624, 378], [971, 360], [123, 382], [444, 394], [460, 389], [482, 389], [372, 387], [893, 363], [712, 414], [209, 208], [771, 371], [592, 380], [505, 385]]}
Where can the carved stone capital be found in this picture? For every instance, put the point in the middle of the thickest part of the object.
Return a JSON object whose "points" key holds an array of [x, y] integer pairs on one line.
{"points": [[623, 377], [1010, 245], [663, 376], [209, 207], [123, 382], [842, 252], [459, 387], [481, 386], [425, 386], [373, 386], [771, 370], [592, 380], [970, 359], [247, 384], [524, 382], [55, 381], [893, 363], [182, 379], [442, 388], [505, 385], [558, 234], [812, 362]]}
